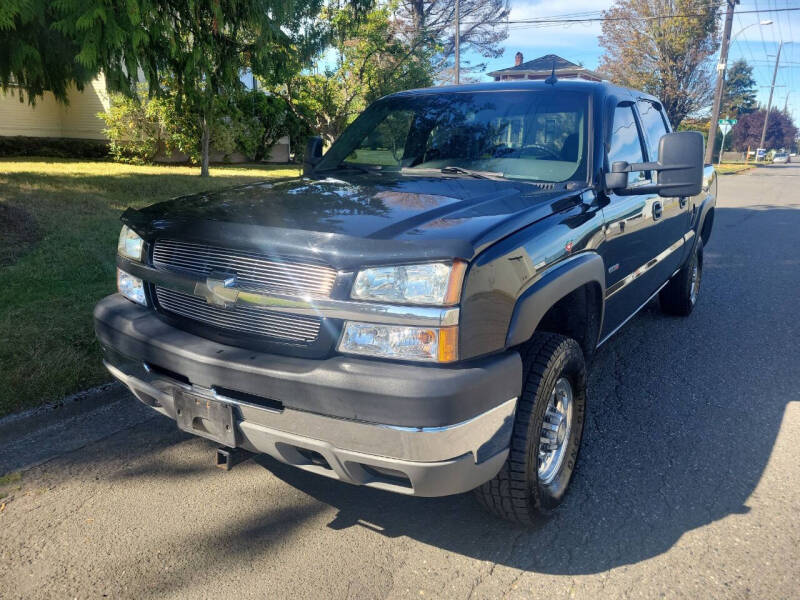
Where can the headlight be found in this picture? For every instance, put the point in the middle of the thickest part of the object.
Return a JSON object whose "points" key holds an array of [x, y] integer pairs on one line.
{"points": [[130, 245], [131, 287], [436, 344], [432, 283]]}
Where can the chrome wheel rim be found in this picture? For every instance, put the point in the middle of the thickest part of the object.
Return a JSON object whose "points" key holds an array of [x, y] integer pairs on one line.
{"points": [[695, 285], [556, 429]]}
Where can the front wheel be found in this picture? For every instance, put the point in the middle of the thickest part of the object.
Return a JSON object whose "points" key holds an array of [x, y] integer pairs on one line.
{"points": [[679, 296], [547, 433]]}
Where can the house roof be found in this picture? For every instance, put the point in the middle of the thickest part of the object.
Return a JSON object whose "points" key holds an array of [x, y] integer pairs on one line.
{"points": [[545, 64]]}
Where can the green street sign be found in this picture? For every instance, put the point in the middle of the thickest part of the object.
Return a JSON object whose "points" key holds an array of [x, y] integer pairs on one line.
{"points": [[729, 121]]}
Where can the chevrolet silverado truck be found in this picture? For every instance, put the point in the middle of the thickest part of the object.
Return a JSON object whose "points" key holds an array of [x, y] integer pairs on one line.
{"points": [[416, 313]]}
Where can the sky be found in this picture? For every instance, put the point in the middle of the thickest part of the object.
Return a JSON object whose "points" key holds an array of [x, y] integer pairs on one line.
{"points": [[757, 44]]}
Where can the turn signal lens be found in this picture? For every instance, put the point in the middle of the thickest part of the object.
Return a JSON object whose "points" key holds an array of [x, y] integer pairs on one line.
{"points": [[432, 344]]}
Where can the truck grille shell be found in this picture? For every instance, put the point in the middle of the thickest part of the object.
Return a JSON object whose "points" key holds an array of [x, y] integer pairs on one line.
{"points": [[253, 271], [244, 319]]}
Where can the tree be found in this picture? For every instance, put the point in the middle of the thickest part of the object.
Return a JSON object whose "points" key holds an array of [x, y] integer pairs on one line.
{"points": [[35, 58], [648, 47], [739, 97], [370, 60], [429, 24], [781, 130], [200, 46]]}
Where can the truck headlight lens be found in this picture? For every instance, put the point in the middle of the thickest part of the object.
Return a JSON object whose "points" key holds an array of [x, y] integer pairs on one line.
{"points": [[130, 244], [131, 287], [431, 283], [434, 344]]}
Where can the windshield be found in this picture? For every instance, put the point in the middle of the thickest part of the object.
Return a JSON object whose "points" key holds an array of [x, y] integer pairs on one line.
{"points": [[536, 135]]}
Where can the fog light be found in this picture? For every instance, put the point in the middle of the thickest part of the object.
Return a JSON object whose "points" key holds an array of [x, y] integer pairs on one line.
{"points": [[435, 344], [131, 287]]}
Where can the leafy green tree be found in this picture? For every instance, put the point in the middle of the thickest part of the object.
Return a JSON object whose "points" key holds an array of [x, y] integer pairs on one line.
{"points": [[739, 96], [668, 56], [203, 46], [370, 61]]}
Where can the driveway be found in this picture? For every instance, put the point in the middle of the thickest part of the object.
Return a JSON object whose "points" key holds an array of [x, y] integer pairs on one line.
{"points": [[688, 484]]}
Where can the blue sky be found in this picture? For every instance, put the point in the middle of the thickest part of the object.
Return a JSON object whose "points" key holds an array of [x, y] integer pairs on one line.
{"points": [[578, 42]]}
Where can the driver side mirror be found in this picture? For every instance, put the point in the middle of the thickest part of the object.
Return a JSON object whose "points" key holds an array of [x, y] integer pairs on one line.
{"points": [[313, 154], [679, 168]]}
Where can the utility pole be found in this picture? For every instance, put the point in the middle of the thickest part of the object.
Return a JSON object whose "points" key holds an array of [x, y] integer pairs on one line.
{"points": [[723, 61], [769, 102], [458, 43]]}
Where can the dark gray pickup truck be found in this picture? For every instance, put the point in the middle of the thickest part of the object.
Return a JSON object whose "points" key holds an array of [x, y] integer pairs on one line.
{"points": [[417, 312]]}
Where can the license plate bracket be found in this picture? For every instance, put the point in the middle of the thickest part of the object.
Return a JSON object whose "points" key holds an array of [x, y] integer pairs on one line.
{"points": [[205, 417]]}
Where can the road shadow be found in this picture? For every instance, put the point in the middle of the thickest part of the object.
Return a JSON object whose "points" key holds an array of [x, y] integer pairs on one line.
{"points": [[683, 417]]}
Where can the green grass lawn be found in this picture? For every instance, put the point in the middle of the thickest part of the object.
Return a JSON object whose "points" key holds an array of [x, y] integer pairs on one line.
{"points": [[59, 222], [732, 168]]}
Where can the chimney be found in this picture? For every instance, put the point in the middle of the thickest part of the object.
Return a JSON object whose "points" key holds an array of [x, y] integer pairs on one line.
{"points": [[518, 59]]}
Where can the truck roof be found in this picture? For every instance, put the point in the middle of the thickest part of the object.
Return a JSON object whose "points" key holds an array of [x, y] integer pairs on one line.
{"points": [[595, 88]]}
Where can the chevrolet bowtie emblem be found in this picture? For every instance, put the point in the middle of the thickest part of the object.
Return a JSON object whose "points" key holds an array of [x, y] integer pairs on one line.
{"points": [[219, 289]]}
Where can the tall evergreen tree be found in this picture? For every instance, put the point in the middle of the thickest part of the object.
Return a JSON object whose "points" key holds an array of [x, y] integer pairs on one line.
{"points": [[34, 57], [740, 90], [200, 46]]}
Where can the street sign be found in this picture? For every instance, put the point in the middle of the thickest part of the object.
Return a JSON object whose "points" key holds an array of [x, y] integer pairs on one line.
{"points": [[725, 128], [729, 121]]}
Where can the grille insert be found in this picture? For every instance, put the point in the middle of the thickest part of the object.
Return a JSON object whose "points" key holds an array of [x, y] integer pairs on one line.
{"points": [[245, 319], [253, 270]]}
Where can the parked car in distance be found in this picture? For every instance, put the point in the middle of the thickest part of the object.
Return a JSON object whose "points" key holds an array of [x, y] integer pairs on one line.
{"points": [[417, 313], [781, 157]]}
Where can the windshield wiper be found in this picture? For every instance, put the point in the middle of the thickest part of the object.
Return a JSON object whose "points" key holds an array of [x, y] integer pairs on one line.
{"points": [[454, 170]]}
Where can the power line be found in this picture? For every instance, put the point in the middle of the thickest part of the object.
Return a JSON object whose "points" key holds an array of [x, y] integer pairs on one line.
{"points": [[556, 20]]}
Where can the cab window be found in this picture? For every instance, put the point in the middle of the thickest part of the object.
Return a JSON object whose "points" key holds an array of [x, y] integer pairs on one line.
{"points": [[654, 127], [626, 143]]}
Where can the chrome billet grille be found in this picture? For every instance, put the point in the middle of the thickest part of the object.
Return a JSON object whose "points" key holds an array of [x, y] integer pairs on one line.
{"points": [[246, 319], [253, 270]]}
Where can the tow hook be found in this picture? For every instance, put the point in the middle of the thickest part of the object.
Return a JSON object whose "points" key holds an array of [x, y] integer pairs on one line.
{"points": [[227, 458]]}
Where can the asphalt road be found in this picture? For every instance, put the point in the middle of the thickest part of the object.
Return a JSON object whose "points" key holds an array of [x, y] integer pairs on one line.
{"points": [[688, 484]]}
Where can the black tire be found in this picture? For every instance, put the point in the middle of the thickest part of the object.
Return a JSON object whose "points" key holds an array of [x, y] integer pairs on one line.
{"points": [[516, 492], [680, 295]]}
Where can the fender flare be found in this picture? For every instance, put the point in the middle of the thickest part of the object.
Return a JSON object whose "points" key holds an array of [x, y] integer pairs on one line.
{"points": [[554, 284]]}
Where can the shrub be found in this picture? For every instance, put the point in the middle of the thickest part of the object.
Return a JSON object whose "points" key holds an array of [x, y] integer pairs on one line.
{"points": [[250, 122], [53, 147]]}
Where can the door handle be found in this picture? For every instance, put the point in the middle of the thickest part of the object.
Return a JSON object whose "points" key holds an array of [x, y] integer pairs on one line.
{"points": [[682, 201], [656, 210]]}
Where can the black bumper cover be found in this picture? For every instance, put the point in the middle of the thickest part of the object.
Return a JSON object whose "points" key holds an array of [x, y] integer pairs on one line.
{"points": [[340, 386]]}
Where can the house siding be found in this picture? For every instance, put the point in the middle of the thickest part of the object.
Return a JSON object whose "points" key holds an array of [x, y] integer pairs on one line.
{"points": [[49, 118]]}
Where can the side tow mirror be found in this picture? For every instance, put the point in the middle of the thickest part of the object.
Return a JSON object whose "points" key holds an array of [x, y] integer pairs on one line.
{"points": [[681, 158], [679, 168], [313, 154]]}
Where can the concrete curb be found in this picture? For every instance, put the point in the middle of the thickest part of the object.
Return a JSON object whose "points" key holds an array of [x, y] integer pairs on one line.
{"points": [[19, 424]]}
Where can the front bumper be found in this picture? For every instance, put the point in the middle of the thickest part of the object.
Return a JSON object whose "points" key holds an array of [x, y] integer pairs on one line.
{"points": [[345, 418]]}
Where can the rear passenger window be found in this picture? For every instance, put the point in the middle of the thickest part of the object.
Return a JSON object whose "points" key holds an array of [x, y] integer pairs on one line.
{"points": [[653, 125], [626, 143]]}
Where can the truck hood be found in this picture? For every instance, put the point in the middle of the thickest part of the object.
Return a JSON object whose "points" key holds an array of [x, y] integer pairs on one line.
{"points": [[357, 219]]}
